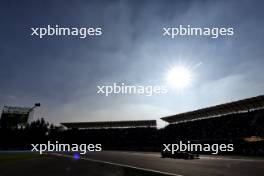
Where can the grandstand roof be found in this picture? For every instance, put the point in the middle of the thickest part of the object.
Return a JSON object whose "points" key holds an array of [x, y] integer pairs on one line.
{"points": [[112, 124], [16, 110], [219, 110]]}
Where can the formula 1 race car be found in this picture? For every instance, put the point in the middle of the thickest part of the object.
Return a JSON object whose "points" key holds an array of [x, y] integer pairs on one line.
{"points": [[179, 155]]}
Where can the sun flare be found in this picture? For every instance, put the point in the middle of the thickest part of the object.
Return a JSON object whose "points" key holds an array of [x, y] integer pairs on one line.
{"points": [[179, 77]]}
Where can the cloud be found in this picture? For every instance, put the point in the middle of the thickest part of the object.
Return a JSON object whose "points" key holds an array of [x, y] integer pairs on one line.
{"points": [[62, 73]]}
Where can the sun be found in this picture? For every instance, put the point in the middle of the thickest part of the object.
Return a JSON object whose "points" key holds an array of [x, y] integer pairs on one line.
{"points": [[179, 77]]}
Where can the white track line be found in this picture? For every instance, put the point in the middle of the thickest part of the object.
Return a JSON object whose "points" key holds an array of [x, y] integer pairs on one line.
{"points": [[122, 165]]}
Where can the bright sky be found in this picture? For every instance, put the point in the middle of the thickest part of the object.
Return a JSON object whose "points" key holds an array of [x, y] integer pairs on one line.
{"points": [[62, 73]]}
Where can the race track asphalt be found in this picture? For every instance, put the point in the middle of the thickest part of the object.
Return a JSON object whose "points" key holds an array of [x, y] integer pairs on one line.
{"points": [[205, 166], [118, 163]]}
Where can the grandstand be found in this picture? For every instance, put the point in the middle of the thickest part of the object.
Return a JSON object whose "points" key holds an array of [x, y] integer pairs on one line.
{"points": [[240, 106], [13, 116], [113, 135], [240, 122], [112, 124]]}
